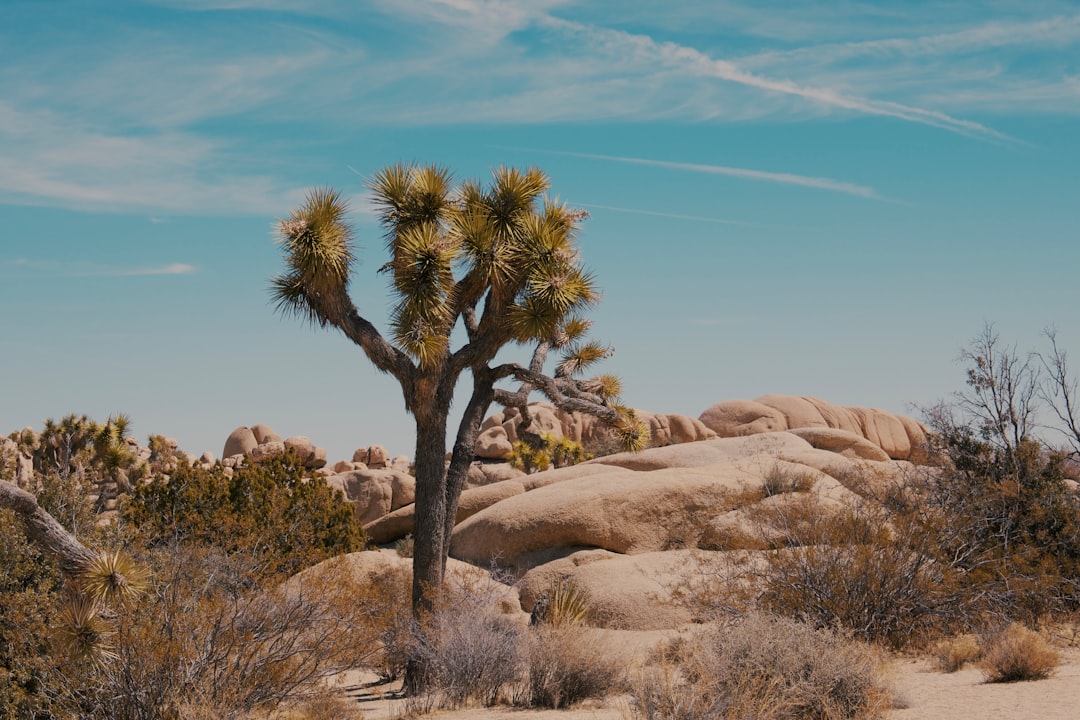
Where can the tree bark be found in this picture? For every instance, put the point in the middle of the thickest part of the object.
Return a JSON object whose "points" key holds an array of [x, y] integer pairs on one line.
{"points": [[429, 541], [44, 531], [465, 449]]}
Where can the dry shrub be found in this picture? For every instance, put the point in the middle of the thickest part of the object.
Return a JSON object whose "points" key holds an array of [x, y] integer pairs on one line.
{"points": [[1016, 654], [471, 652], [851, 568], [206, 635], [323, 706], [568, 664], [388, 618], [782, 478], [768, 668], [952, 654]]}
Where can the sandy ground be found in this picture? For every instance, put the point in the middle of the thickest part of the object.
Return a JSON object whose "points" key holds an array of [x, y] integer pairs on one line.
{"points": [[933, 695], [926, 694]]}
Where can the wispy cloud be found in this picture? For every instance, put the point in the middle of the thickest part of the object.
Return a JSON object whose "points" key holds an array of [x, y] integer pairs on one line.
{"points": [[134, 118], [25, 267], [1059, 30], [820, 183], [171, 269], [688, 59]]}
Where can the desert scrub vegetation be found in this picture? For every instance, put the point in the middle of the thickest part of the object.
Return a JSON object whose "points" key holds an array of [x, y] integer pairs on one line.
{"points": [[181, 610], [568, 664], [269, 510], [1015, 654], [547, 452], [472, 652], [766, 667], [208, 635], [479, 655], [952, 654], [30, 589]]}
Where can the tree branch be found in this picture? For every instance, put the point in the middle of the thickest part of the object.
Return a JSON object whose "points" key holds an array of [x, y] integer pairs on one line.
{"points": [[44, 531], [564, 393]]}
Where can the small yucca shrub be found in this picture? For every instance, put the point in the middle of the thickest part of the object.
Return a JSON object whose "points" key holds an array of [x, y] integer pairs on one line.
{"points": [[567, 605], [551, 453]]}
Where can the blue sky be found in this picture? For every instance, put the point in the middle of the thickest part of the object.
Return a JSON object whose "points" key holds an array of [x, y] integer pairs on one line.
{"points": [[822, 199]]}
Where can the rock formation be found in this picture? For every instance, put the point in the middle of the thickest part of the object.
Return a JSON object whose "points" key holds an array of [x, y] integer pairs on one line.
{"points": [[898, 436]]}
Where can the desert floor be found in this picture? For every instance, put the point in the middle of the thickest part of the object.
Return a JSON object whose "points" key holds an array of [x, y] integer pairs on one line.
{"points": [[926, 694]]}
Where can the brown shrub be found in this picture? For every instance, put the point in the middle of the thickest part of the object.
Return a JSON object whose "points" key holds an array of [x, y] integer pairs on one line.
{"points": [[1016, 654], [472, 652], [769, 668], [850, 568], [952, 654], [568, 664], [206, 635]]}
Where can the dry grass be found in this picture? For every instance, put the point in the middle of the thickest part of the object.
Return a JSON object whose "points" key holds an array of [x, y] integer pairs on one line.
{"points": [[324, 706], [569, 664], [767, 668], [954, 653], [1017, 654], [781, 479]]}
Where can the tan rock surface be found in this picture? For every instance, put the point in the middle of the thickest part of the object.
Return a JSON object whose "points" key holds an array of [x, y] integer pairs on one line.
{"points": [[241, 441], [626, 592], [399, 523], [265, 434], [842, 442], [897, 435], [370, 491], [624, 512]]}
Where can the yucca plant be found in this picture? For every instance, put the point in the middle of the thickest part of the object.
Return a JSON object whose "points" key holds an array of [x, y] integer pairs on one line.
{"points": [[494, 265], [84, 628], [568, 605], [113, 577], [82, 633]]}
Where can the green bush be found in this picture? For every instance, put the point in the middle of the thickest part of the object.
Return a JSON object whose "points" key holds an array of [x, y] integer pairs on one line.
{"points": [[29, 596], [548, 453], [1004, 524], [269, 510]]}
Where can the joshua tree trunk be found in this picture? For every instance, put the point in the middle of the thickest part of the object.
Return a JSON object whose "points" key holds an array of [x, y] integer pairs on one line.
{"points": [[43, 530], [429, 531]]}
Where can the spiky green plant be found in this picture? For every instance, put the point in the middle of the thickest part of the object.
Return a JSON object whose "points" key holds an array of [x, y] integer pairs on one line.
{"points": [[82, 634], [113, 577], [568, 605]]}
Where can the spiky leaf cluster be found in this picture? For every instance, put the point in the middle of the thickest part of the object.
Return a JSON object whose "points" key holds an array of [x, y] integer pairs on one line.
{"points": [[318, 249], [553, 286], [82, 633], [113, 577], [453, 246]]}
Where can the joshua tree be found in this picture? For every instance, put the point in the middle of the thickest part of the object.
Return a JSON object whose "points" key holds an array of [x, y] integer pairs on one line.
{"points": [[495, 266]]}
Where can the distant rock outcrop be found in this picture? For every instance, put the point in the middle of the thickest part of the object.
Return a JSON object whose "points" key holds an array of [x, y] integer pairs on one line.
{"points": [[260, 442], [500, 431], [898, 436], [241, 441], [374, 493]]}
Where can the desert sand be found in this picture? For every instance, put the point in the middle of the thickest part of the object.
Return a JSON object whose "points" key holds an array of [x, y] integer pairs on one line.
{"points": [[926, 693]]}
